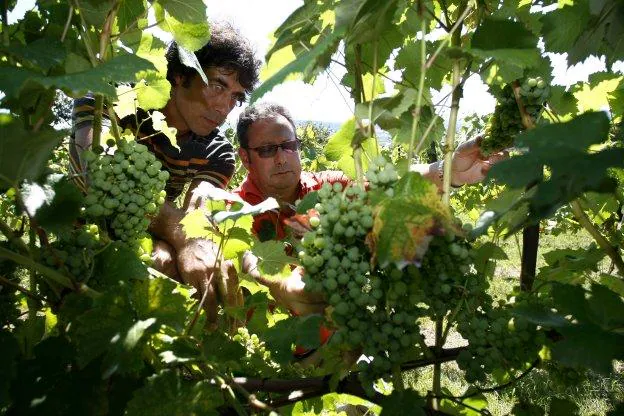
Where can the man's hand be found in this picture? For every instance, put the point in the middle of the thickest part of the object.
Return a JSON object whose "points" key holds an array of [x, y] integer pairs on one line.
{"points": [[198, 266], [469, 165], [288, 292]]}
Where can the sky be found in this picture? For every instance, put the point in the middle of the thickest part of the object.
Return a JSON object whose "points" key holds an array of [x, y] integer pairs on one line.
{"points": [[326, 100]]}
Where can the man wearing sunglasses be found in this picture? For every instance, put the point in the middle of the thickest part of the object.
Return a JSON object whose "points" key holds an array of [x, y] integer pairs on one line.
{"points": [[269, 149], [203, 154]]}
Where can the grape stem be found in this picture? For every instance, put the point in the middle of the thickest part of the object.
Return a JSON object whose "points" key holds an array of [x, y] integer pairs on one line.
{"points": [[604, 244], [25, 291], [97, 120], [421, 86]]}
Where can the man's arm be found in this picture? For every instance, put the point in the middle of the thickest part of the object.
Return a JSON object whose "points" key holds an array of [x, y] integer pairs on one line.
{"points": [[469, 165]]}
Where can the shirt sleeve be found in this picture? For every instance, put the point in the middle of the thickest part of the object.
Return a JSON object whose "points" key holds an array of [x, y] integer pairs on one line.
{"points": [[221, 163]]}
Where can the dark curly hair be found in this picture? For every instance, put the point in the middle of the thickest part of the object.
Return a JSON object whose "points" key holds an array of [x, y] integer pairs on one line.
{"points": [[227, 48], [261, 111]]}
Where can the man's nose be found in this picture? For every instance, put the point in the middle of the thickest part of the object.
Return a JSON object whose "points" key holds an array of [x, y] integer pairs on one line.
{"points": [[222, 104], [280, 156]]}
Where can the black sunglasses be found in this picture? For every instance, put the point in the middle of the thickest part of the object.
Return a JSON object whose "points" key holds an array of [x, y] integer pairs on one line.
{"points": [[269, 150]]}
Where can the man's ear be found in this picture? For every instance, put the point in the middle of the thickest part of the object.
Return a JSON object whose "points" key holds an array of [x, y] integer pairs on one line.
{"points": [[244, 157]]}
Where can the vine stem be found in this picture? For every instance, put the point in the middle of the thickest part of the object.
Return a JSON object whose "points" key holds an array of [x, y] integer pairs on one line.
{"points": [[449, 141], [371, 125], [25, 291], [437, 367], [530, 234], [604, 244], [421, 86], [85, 36], [67, 22]]}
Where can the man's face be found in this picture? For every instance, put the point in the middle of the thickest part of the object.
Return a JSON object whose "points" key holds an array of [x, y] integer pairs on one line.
{"points": [[202, 108], [276, 175]]}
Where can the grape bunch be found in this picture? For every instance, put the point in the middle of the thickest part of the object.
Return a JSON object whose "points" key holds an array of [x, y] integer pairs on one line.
{"points": [[505, 123], [126, 188], [446, 280], [367, 310], [498, 340], [74, 252], [257, 358]]}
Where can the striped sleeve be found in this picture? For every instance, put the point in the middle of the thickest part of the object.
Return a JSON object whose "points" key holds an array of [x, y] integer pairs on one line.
{"points": [[221, 163]]}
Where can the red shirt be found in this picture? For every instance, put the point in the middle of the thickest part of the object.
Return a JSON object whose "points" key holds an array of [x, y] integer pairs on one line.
{"points": [[270, 224]]}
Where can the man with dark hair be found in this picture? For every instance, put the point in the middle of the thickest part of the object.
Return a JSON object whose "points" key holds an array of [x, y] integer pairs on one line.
{"points": [[196, 110]]}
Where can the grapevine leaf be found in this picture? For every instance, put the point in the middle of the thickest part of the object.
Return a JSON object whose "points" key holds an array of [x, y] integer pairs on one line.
{"points": [[189, 59], [127, 102], [279, 59], [42, 54], [118, 264], [307, 202], [153, 92], [193, 11], [272, 257], [218, 347], [9, 351], [540, 315], [562, 407], [398, 401], [247, 209], [55, 205], [56, 385], [340, 147], [505, 41], [589, 346], [562, 27], [129, 12], [614, 283], [280, 339], [605, 307], [565, 149], [179, 350], [562, 101], [470, 406], [238, 241], [192, 36], [568, 265], [121, 68], [485, 253], [305, 63], [307, 331], [196, 225], [95, 11], [160, 298], [169, 393], [405, 224], [24, 154]]}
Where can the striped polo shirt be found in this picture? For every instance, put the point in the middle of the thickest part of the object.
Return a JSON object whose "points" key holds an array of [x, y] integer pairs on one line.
{"points": [[207, 158]]}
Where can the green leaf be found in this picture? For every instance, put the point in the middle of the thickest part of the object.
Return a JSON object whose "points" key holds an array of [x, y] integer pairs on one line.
{"points": [[614, 283], [307, 331], [162, 299], [42, 54], [24, 154], [238, 241], [505, 41], [305, 63], [179, 350], [539, 315], [397, 402], [565, 149], [169, 393], [56, 386], [193, 11], [189, 59], [307, 202], [95, 11], [272, 257], [55, 205], [340, 147], [116, 264], [129, 12], [485, 253], [153, 92], [192, 36], [218, 347], [470, 406], [562, 101], [405, 223], [9, 352], [606, 307]]}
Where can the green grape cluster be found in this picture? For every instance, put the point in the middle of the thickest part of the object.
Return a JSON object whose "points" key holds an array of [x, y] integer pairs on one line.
{"points": [[74, 252], [505, 123], [497, 340], [381, 174], [126, 188], [446, 280], [257, 357]]}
